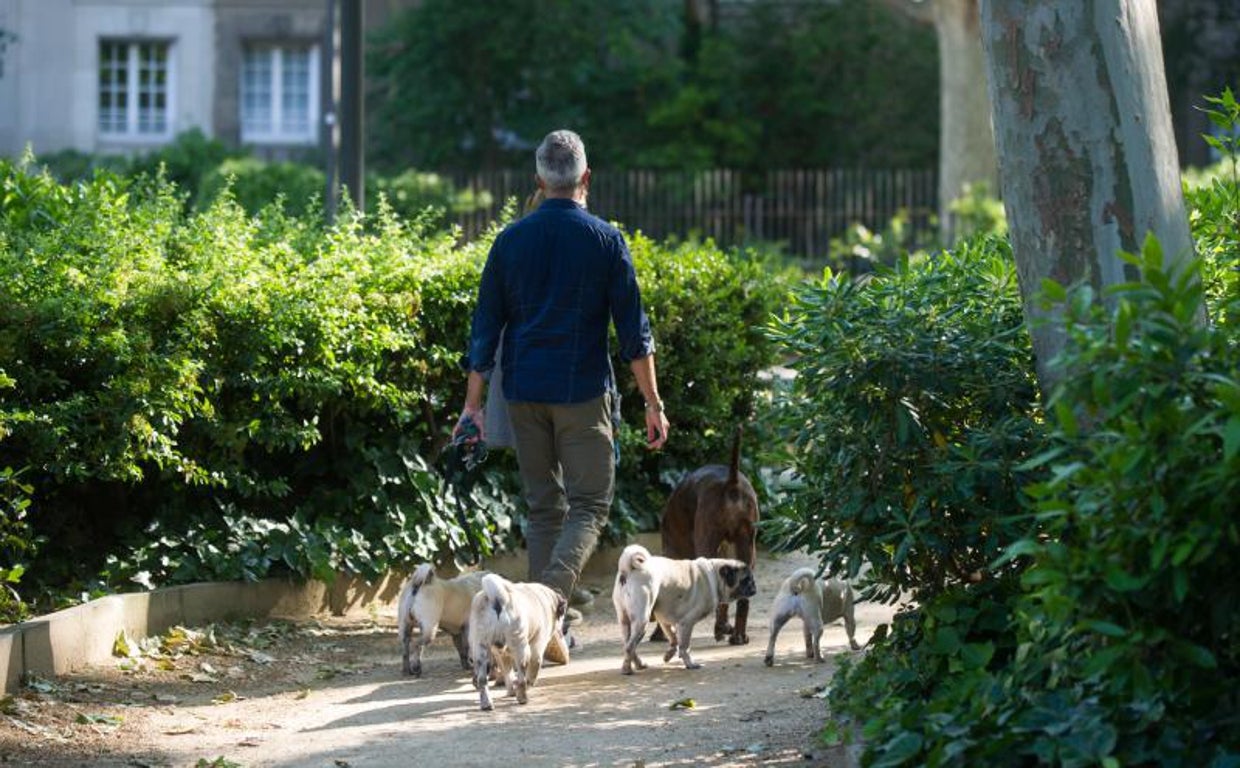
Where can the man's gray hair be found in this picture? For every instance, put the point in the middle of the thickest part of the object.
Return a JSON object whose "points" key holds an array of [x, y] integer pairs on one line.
{"points": [[561, 161]]}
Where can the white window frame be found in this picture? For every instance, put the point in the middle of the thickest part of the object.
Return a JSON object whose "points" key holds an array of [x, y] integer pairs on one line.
{"points": [[275, 132], [133, 59]]}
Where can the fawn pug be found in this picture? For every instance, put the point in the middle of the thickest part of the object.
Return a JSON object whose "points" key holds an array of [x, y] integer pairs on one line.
{"points": [[816, 602], [433, 603], [677, 593], [510, 626]]}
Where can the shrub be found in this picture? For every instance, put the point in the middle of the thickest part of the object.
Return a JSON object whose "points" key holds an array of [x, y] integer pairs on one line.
{"points": [[255, 183], [185, 161], [1119, 646], [708, 308], [210, 394], [914, 404], [177, 365]]}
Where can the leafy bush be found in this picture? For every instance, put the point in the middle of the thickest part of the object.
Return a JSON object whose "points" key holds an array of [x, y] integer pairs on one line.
{"points": [[185, 161], [175, 365], [1214, 199], [915, 403], [708, 308], [1121, 642], [255, 183], [211, 394]]}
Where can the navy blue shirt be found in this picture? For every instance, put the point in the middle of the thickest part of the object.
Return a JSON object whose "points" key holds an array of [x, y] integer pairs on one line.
{"points": [[552, 282]]}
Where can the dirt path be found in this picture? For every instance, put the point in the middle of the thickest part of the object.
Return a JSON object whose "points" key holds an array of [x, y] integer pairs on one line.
{"points": [[330, 693]]}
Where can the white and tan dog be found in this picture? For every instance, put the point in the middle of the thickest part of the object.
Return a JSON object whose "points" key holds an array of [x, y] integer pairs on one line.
{"points": [[510, 626], [433, 603], [817, 602], [676, 593]]}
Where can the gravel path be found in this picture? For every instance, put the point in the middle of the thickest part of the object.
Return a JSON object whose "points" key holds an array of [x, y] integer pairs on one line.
{"points": [[330, 693]]}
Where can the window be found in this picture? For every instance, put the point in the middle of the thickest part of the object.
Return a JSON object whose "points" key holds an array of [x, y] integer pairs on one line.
{"points": [[134, 89], [279, 94]]}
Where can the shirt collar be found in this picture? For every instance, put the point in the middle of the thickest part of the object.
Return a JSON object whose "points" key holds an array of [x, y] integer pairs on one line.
{"points": [[561, 203]]}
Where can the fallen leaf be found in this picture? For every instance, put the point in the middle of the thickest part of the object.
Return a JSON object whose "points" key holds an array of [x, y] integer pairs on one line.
{"points": [[110, 721], [683, 704]]}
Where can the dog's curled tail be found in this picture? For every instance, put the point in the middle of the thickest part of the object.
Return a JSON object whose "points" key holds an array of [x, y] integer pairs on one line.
{"points": [[422, 575], [633, 558], [498, 597], [802, 580]]}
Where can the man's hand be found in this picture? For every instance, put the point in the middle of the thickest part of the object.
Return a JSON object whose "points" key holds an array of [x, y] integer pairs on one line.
{"points": [[657, 427], [470, 428]]}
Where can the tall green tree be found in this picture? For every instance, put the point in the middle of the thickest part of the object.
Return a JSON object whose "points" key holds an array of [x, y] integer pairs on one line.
{"points": [[653, 83], [474, 84]]}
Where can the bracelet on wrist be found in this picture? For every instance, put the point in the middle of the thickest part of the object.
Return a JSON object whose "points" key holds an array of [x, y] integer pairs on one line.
{"points": [[655, 405]]}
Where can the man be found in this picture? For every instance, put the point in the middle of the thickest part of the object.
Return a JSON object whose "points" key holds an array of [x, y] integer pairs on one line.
{"points": [[553, 281]]}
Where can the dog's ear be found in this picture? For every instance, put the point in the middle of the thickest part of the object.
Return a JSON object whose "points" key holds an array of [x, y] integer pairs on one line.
{"points": [[561, 606], [728, 572]]}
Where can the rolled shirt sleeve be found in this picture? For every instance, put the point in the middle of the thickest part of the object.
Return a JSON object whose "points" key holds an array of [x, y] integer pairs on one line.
{"points": [[488, 318], [632, 324]]}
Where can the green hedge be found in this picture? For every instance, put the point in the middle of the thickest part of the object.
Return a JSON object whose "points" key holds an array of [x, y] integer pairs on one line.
{"points": [[299, 188], [213, 394], [1102, 629]]}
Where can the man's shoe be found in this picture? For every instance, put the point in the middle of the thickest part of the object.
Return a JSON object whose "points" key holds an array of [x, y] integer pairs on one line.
{"points": [[581, 598], [572, 617]]}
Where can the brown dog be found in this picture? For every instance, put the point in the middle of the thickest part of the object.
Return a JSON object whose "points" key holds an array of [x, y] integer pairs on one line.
{"points": [[710, 507]]}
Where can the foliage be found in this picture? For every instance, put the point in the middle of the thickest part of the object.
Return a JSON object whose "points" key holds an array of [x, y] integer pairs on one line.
{"points": [[210, 394], [254, 184], [1120, 646], [185, 161], [1214, 197], [860, 250], [459, 85], [177, 367], [1119, 641], [915, 402], [810, 85], [707, 309], [977, 212], [16, 543]]}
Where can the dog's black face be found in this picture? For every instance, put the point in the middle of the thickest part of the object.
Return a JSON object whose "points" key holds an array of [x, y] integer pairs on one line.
{"points": [[740, 581]]}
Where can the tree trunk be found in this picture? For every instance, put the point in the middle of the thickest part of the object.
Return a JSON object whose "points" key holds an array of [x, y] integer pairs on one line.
{"points": [[1086, 149], [966, 143]]}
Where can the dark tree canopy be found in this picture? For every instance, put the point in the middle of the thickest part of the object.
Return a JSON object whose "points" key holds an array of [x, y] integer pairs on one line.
{"points": [[458, 84]]}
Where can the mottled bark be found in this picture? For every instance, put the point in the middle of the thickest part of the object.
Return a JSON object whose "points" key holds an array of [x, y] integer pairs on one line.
{"points": [[1087, 155]]}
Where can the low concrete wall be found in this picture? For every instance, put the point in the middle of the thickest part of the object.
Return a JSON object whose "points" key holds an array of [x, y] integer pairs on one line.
{"points": [[84, 634]]}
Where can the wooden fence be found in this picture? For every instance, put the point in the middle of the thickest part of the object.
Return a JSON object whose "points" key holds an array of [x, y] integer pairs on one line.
{"points": [[801, 210]]}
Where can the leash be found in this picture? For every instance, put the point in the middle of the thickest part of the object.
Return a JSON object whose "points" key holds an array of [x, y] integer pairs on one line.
{"points": [[462, 458]]}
